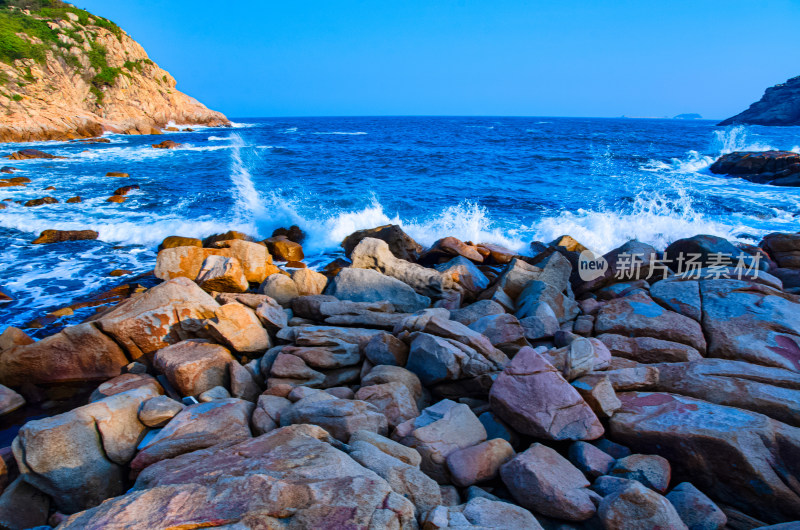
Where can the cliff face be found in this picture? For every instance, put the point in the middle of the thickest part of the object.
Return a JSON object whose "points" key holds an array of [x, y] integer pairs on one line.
{"points": [[67, 74], [780, 105]]}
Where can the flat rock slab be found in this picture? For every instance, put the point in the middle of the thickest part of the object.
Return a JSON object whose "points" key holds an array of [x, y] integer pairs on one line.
{"points": [[290, 477], [741, 458]]}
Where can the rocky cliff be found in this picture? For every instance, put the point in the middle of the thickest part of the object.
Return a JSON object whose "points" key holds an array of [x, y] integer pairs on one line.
{"points": [[65, 74], [780, 105]]}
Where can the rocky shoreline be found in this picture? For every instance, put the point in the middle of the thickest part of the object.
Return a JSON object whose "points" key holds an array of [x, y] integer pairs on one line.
{"points": [[458, 386]]}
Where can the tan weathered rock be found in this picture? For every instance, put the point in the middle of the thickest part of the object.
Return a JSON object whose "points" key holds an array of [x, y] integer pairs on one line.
{"points": [[284, 250], [340, 417], [164, 315], [13, 337], [400, 243], [78, 353], [9, 400], [123, 383], [388, 446], [308, 282], [478, 463], [179, 241], [253, 257], [374, 254], [243, 386], [184, 261], [194, 366], [220, 273], [77, 457], [280, 288], [393, 399], [639, 507], [406, 480], [156, 412], [239, 328], [267, 415], [438, 431], [292, 478], [198, 427]]}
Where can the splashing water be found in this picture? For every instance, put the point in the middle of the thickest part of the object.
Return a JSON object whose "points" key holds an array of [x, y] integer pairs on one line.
{"points": [[482, 180]]}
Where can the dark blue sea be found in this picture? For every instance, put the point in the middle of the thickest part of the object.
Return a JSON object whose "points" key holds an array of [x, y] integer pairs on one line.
{"points": [[502, 180]]}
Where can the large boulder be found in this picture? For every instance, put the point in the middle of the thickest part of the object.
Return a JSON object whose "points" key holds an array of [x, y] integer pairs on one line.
{"points": [[774, 392], [164, 315], [254, 259], [290, 477], [395, 400], [199, 426], [751, 322], [543, 481], [741, 458], [340, 417], [184, 261], [405, 479], [639, 316], [77, 354], [221, 273], [784, 249], [703, 249], [374, 254], [366, 285], [194, 366], [534, 398], [400, 243], [238, 327], [438, 431], [78, 457]]}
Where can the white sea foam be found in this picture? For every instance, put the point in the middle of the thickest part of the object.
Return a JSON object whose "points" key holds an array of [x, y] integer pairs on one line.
{"points": [[654, 220], [343, 133]]}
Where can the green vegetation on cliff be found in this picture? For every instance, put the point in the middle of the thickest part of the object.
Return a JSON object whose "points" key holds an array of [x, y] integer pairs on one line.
{"points": [[27, 31]]}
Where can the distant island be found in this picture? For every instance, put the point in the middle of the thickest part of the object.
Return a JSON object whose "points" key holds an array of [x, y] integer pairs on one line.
{"points": [[780, 105], [688, 116], [67, 74]]}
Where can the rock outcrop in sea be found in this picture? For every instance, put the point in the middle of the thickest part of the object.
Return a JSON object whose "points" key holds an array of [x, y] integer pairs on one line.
{"points": [[780, 105], [778, 168], [459, 386], [67, 74]]}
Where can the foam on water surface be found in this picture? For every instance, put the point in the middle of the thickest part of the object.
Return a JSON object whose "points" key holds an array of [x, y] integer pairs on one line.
{"points": [[482, 180]]}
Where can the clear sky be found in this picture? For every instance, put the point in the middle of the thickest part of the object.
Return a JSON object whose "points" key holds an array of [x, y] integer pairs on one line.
{"points": [[467, 57]]}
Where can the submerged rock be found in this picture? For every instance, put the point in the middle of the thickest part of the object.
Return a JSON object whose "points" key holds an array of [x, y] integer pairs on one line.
{"points": [[57, 236]]}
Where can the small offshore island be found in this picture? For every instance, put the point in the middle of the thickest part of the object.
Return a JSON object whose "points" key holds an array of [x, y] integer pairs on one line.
{"points": [[459, 384]]}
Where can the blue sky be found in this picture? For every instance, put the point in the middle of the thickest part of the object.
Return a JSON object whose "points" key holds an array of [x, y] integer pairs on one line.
{"points": [[463, 57]]}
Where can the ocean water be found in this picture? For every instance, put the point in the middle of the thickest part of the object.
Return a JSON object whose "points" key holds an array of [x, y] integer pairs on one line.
{"points": [[503, 180]]}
